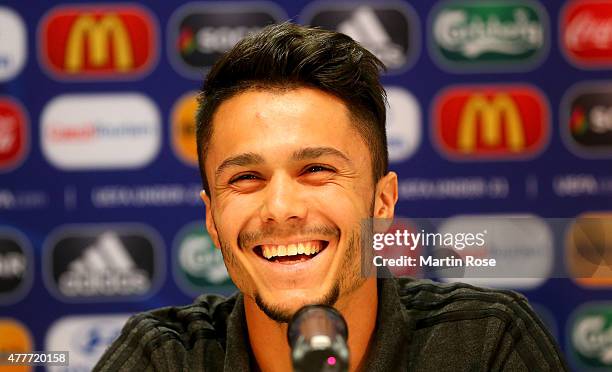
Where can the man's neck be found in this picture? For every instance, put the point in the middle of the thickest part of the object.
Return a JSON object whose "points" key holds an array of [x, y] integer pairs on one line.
{"points": [[268, 338]]}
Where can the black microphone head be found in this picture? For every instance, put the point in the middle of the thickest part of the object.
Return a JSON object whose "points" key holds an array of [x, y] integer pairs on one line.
{"points": [[317, 335]]}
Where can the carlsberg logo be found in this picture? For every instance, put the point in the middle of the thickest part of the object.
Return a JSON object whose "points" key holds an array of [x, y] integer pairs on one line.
{"points": [[489, 32], [592, 339]]}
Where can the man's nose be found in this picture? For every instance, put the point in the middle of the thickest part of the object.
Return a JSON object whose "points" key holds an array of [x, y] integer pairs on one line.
{"points": [[283, 200]]}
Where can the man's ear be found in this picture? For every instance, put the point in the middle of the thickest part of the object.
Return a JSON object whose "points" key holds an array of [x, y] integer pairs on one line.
{"points": [[210, 223], [386, 196]]}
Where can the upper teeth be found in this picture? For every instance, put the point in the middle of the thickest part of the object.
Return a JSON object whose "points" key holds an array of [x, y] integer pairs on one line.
{"points": [[274, 250]]}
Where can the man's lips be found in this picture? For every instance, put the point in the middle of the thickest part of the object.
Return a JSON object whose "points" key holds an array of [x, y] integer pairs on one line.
{"points": [[291, 253]]}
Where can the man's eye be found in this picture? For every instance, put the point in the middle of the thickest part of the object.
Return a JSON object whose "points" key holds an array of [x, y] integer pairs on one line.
{"points": [[317, 168], [243, 177]]}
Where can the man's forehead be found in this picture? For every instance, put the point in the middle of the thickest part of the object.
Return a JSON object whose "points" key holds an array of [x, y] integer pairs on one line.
{"points": [[259, 121], [257, 101]]}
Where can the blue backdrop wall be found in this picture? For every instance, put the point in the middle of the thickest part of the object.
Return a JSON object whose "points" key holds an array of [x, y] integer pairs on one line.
{"points": [[496, 107]]}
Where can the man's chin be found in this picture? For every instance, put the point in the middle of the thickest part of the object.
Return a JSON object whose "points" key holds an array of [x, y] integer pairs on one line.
{"points": [[283, 309]]}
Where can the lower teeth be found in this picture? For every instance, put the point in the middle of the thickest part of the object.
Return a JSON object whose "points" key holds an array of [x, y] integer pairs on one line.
{"points": [[298, 257]]}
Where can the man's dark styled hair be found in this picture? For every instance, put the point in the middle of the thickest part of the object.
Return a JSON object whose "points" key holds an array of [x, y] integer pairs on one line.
{"points": [[288, 56]]}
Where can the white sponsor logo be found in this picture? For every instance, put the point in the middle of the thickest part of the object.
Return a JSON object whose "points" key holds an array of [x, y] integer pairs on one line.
{"points": [[84, 337], [198, 264], [453, 31], [593, 339], [587, 31], [403, 124], [522, 246], [199, 258], [13, 44], [109, 131], [601, 117], [12, 265], [221, 39], [365, 27], [105, 268], [16, 272]]}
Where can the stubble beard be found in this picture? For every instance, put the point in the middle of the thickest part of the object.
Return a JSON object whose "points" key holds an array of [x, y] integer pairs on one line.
{"points": [[350, 278]]}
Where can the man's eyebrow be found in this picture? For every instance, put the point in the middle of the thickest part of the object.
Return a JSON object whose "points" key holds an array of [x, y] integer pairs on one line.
{"points": [[316, 152], [248, 158]]}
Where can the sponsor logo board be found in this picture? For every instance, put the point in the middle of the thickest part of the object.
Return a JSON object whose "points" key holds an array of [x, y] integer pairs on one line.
{"points": [[588, 249], [13, 44], [403, 124], [87, 42], [476, 36], [388, 29], [120, 262], [16, 266], [586, 113], [491, 122], [198, 34], [85, 337], [100, 131], [14, 134], [522, 246], [585, 33], [198, 264], [15, 337], [590, 337], [183, 129]]}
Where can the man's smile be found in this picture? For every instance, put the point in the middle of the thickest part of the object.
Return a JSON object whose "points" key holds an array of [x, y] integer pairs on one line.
{"points": [[291, 259], [291, 253]]}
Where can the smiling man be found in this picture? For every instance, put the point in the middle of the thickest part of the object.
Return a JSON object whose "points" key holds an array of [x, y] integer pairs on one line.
{"points": [[292, 148]]}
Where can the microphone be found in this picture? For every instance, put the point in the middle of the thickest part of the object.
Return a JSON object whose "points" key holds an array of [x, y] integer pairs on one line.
{"points": [[317, 335]]}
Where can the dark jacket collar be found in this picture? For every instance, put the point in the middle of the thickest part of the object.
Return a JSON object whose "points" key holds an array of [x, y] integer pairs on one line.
{"points": [[387, 350]]}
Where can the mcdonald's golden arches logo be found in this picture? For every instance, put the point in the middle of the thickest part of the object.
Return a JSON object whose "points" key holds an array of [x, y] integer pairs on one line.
{"points": [[491, 122], [98, 42]]}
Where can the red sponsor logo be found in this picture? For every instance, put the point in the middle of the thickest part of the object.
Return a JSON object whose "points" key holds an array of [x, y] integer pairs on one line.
{"points": [[98, 42], [586, 32], [13, 133], [491, 122]]}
